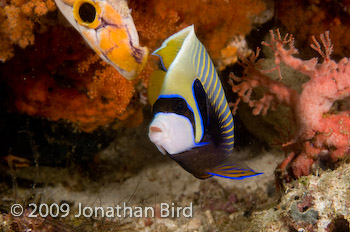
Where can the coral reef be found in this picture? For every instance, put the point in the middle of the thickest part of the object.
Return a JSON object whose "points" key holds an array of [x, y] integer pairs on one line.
{"points": [[18, 20], [229, 54], [312, 203], [58, 79], [320, 112]]}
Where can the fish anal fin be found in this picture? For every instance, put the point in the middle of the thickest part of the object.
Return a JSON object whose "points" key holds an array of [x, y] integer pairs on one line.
{"points": [[233, 173], [233, 169], [155, 85]]}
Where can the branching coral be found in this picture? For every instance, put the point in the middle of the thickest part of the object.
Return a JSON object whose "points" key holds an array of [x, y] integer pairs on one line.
{"points": [[321, 129], [17, 21], [329, 15]]}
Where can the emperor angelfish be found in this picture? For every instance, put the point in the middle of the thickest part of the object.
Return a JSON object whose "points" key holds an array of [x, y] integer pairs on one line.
{"points": [[192, 121], [107, 26]]}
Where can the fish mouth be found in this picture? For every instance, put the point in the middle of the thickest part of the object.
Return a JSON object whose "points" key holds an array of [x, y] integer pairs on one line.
{"points": [[155, 129], [157, 132]]}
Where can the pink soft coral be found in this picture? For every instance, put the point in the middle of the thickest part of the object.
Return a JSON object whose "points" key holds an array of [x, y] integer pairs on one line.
{"points": [[320, 131]]}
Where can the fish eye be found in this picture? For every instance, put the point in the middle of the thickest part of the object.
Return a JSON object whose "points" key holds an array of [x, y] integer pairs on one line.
{"points": [[179, 107], [86, 13]]}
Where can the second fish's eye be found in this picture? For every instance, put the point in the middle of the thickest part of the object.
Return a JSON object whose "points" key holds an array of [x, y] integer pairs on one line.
{"points": [[87, 12]]}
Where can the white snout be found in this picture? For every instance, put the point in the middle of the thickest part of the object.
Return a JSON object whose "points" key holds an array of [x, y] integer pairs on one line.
{"points": [[172, 133]]}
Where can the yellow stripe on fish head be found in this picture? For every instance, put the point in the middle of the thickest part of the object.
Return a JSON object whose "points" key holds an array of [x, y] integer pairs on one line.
{"points": [[176, 58], [108, 28]]}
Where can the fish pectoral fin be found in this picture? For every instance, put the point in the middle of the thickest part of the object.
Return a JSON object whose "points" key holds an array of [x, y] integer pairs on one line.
{"points": [[161, 149]]}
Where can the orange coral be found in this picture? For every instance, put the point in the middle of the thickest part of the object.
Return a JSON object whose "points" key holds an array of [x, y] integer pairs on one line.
{"points": [[216, 21], [17, 19], [51, 80], [85, 64], [110, 85], [43, 97]]}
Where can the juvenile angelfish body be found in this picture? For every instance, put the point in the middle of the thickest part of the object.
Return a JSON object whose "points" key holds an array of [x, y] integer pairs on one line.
{"points": [[192, 121], [107, 26]]}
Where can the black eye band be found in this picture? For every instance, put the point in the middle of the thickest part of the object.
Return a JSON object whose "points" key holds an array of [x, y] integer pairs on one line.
{"points": [[174, 105]]}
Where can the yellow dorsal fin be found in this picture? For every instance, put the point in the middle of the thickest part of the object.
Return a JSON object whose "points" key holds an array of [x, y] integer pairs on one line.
{"points": [[155, 85], [171, 46]]}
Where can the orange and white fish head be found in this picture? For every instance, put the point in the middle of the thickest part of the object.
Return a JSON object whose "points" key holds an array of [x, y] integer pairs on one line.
{"points": [[108, 27]]}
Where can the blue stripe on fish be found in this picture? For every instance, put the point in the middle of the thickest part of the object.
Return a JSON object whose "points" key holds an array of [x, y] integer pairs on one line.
{"points": [[161, 62]]}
